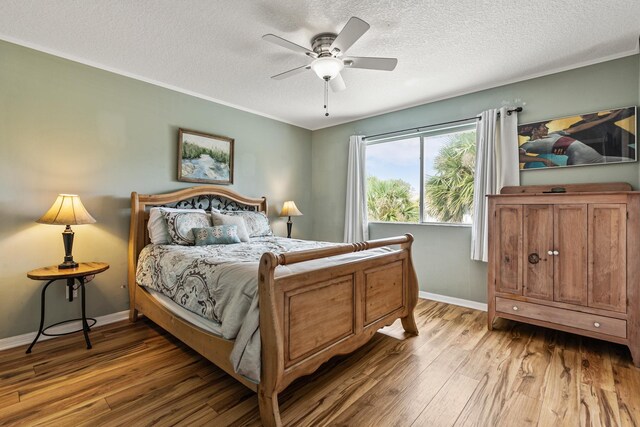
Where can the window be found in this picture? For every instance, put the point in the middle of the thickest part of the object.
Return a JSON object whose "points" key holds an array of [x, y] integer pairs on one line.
{"points": [[422, 178]]}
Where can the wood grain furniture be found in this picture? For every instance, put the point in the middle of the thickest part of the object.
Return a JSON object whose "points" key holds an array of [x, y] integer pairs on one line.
{"points": [[305, 318], [54, 273], [568, 260]]}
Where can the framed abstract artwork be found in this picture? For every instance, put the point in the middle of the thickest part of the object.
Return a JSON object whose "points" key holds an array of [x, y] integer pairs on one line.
{"points": [[603, 137], [204, 158]]}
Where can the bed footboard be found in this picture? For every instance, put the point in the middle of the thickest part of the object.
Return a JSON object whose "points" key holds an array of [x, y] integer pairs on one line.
{"points": [[307, 318]]}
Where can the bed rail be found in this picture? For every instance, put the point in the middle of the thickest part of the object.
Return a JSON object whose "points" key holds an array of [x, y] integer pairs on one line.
{"points": [[311, 254]]}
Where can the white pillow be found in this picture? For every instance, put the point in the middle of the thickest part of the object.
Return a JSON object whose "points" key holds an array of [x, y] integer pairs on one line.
{"points": [[157, 225], [256, 222], [221, 219]]}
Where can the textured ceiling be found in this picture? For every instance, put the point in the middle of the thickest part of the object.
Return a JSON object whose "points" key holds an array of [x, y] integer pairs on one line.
{"points": [[214, 48]]}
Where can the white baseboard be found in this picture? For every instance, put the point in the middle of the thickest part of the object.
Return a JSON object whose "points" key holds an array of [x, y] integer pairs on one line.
{"points": [[24, 339], [455, 301]]}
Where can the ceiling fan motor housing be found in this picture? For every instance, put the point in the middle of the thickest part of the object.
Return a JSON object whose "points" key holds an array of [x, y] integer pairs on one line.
{"points": [[321, 44]]}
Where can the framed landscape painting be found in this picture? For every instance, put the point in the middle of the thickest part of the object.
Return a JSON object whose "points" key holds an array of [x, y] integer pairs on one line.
{"points": [[603, 137], [204, 158]]}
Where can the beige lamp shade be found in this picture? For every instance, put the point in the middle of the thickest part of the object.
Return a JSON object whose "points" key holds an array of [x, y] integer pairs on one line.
{"points": [[67, 210], [290, 209]]}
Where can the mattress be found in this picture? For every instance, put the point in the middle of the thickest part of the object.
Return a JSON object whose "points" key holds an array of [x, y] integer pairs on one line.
{"points": [[184, 314]]}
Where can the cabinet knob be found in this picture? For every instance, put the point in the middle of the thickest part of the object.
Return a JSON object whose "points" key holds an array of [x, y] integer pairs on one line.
{"points": [[534, 258], [549, 252], [556, 253], [515, 308], [596, 324]]}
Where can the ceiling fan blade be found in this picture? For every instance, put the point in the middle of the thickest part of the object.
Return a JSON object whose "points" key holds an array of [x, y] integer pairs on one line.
{"points": [[337, 83], [290, 73], [384, 64], [289, 45], [352, 31]]}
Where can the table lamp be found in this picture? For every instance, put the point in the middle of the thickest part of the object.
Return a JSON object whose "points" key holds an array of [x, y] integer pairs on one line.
{"points": [[67, 210], [290, 209]]}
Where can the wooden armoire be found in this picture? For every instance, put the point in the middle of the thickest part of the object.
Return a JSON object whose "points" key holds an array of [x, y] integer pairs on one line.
{"points": [[568, 257]]}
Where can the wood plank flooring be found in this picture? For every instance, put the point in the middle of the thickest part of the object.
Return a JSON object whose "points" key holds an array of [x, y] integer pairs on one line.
{"points": [[456, 373]]}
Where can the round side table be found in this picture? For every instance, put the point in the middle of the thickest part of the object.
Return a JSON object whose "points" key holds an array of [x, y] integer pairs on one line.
{"points": [[52, 274]]}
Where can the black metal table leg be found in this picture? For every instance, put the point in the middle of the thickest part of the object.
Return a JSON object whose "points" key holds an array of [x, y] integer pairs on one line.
{"points": [[41, 328], [70, 283], [85, 325]]}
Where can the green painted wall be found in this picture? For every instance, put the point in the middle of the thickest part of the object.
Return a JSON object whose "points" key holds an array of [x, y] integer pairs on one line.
{"points": [[66, 127], [441, 253]]}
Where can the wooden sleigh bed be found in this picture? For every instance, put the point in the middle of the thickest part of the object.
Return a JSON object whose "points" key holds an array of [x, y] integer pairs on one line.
{"points": [[356, 299]]}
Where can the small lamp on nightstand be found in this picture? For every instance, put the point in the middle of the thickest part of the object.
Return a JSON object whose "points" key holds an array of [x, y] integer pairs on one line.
{"points": [[67, 210], [290, 209]]}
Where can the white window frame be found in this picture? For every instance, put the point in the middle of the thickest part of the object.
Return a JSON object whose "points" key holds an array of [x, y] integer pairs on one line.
{"points": [[458, 127]]}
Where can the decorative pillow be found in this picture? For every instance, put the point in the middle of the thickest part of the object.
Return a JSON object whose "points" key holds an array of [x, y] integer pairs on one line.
{"points": [[222, 219], [157, 225], [216, 235], [180, 225], [257, 222]]}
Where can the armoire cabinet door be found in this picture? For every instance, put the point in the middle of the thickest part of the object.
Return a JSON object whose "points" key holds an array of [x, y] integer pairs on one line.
{"points": [[508, 250], [538, 241], [570, 256], [607, 273]]}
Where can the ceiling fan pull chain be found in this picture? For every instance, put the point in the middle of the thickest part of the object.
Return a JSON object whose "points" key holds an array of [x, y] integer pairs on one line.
{"points": [[326, 97]]}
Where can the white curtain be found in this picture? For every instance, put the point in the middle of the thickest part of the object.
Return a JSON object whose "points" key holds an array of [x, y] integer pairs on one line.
{"points": [[355, 217], [496, 167]]}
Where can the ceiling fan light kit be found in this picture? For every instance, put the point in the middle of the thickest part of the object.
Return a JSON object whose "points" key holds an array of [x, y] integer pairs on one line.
{"points": [[327, 67], [327, 51]]}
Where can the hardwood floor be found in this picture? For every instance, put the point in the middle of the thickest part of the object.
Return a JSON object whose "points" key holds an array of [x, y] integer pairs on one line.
{"points": [[455, 373]]}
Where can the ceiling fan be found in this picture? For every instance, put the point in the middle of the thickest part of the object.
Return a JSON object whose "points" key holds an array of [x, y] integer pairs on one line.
{"points": [[327, 51]]}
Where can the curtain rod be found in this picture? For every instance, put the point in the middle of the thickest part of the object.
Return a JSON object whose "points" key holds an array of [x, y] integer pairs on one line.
{"points": [[418, 129]]}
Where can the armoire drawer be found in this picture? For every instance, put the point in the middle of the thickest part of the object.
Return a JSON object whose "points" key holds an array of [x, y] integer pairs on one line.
{"points": [[574, 319]]}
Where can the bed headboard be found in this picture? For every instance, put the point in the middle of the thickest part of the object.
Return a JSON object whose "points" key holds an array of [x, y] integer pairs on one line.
{"points": [[201, 197]]}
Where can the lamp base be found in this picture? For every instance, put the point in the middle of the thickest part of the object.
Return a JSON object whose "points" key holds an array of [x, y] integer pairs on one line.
{"points": [[68, 264], [67, 238]]}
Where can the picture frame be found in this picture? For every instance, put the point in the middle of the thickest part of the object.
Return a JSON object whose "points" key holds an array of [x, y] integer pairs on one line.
{"points": [[597, 138], [204, 158]]}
